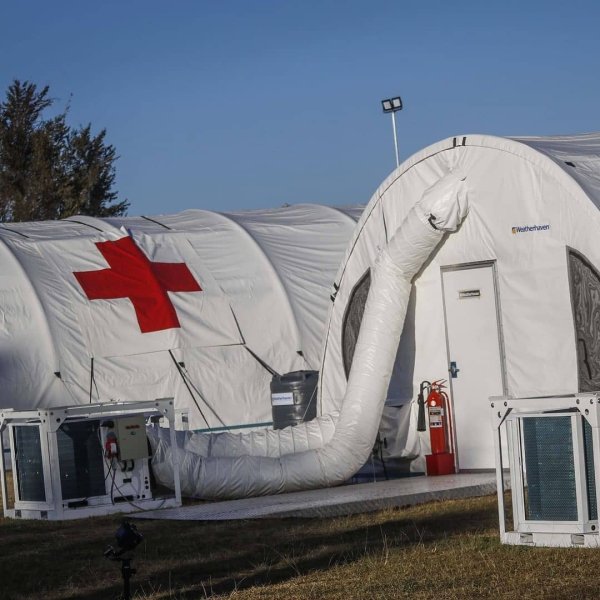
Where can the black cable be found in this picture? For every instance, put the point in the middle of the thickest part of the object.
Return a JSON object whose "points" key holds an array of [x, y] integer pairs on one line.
{"points": [[421, 424], [93, 380], [91, 377], [188, 387], [189, 379], [262, 363], [112, 485], [309, 402]]}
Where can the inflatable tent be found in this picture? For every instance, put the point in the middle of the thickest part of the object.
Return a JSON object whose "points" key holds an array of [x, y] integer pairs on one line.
{"points": [[509, 304], [332, 447], [506, 305], [487, 245], [196, 305]]}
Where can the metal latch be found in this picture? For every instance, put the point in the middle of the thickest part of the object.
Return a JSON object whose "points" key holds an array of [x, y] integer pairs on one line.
{"points": [[453, 370]]}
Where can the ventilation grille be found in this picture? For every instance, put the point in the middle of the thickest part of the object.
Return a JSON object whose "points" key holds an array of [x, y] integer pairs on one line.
{"points": [[80, 460], [550, 473], [590, 475], [30, 469]]}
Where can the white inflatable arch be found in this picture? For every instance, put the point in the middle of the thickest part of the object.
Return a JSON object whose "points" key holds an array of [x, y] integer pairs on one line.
{"points": [[330, 449], [512, 299]]}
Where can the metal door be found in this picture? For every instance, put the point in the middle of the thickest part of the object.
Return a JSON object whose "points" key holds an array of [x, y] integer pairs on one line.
{"points": [[475, 359]]}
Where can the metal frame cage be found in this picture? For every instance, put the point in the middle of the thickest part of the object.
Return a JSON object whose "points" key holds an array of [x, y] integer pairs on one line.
{"points": [[60, 469], [550, 447]]}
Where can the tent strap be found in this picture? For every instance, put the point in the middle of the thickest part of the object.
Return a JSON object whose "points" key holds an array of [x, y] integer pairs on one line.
{"points": [[262, 363]]}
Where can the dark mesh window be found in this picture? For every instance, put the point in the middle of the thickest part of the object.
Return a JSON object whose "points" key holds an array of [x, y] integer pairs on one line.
{"points": [[550, 469], [589, 469], [353, 319], [585, 294], [30, 469], [81, 460]]}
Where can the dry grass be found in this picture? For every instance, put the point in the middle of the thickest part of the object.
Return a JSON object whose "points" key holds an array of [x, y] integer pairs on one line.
{"points": [[438, 550]]}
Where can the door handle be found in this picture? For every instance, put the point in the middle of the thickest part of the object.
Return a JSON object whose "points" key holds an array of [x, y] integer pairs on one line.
{"points": [[453, 370]]}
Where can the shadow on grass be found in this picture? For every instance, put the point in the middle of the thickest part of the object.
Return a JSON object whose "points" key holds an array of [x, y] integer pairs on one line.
{"points": [[210, 559], [276, 558]]}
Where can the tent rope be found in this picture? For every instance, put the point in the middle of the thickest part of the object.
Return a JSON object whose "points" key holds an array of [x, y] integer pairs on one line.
{"points": [[189, 383], [262, 363], [189, 379], [93, 381]]}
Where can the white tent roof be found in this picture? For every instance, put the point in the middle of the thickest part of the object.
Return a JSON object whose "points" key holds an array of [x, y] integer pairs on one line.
{"points": [[265, 278], [578, 155], [550, 187]]}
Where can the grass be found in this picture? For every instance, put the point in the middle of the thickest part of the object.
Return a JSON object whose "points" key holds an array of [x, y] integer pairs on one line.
{"points": [[438, 550]]}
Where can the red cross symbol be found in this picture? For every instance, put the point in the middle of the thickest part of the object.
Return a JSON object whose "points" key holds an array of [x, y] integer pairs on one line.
{"points": [[131, 275]]}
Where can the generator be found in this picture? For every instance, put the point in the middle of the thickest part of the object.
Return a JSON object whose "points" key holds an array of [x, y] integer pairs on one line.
{"points": [[80, 461]]}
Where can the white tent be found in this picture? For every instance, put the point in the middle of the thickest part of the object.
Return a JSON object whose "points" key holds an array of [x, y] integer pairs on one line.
{"points": [[509, 304], [512, 298], [332, 447], [104, 308]]}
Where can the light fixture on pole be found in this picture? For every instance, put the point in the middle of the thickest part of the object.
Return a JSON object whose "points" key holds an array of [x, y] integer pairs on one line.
{"points": [[393, 105]]}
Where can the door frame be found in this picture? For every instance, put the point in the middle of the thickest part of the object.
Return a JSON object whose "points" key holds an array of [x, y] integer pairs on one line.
{"points": [[465, 267]]}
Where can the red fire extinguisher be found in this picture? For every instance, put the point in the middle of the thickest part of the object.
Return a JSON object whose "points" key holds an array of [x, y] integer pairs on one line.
{"points": [[441, 459]]}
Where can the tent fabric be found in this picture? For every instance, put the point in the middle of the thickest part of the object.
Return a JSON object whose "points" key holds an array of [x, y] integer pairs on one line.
{"points": [[257, 280], [577, 155], [532, 200], [268, 274], [324, 463]]}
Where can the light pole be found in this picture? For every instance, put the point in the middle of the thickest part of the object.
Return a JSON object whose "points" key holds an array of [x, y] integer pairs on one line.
{"points": [[393, 105]]}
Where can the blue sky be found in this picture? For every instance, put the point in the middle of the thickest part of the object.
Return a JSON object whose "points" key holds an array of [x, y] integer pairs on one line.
{"points": [[231, 105]]}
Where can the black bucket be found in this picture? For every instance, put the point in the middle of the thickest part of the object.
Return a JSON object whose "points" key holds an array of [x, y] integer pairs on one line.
{"points": [[294, 398]]}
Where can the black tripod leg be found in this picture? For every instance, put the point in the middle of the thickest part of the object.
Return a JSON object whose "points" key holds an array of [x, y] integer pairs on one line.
{"points": [[127, 572]]}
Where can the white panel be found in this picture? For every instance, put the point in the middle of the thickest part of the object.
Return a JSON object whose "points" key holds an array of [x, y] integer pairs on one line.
{"points": [[474, 344]]}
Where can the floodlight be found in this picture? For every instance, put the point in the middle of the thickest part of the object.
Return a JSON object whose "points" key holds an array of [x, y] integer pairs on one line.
{"points": [[387, 105], [393, 105]]}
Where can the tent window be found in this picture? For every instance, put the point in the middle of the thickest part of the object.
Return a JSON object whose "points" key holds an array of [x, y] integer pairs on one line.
{"points": [[585, 295], [353, 319]]}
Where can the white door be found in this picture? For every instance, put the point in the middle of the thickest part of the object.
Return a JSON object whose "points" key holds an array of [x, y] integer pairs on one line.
{"points": [[474, 360]]}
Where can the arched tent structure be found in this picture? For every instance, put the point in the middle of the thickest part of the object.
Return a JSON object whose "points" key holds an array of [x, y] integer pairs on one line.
{"points": [[104, 308], [509, 303], [331, 448]]}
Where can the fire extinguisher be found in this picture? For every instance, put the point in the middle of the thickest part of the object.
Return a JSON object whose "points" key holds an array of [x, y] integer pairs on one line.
{"points": [[441, 459], [437, 408]]}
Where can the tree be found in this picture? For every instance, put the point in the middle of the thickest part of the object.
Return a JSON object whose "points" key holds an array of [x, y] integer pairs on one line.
{"points": [[49, 170]]}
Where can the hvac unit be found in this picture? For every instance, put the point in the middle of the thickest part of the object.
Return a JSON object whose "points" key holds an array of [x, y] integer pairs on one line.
{"points": [[553, 462], [79, 461]]}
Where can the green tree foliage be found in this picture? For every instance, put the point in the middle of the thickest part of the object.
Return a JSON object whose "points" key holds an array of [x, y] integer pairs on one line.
{"points": [[49, 170]]}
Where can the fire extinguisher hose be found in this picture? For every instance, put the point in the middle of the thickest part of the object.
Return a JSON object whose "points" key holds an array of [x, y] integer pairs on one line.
{"points": [[421, 424]]}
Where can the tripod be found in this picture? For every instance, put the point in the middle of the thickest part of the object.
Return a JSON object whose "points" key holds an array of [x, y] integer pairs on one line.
{"points": [[126, 570], [128, 537]]}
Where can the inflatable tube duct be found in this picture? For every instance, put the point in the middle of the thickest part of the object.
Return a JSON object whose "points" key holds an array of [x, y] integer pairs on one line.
{"points": [[330, 449]]}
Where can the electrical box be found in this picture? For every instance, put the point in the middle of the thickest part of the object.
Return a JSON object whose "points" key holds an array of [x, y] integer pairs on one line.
{"points": [[553, 467], [131, 438], [80, 461]]}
